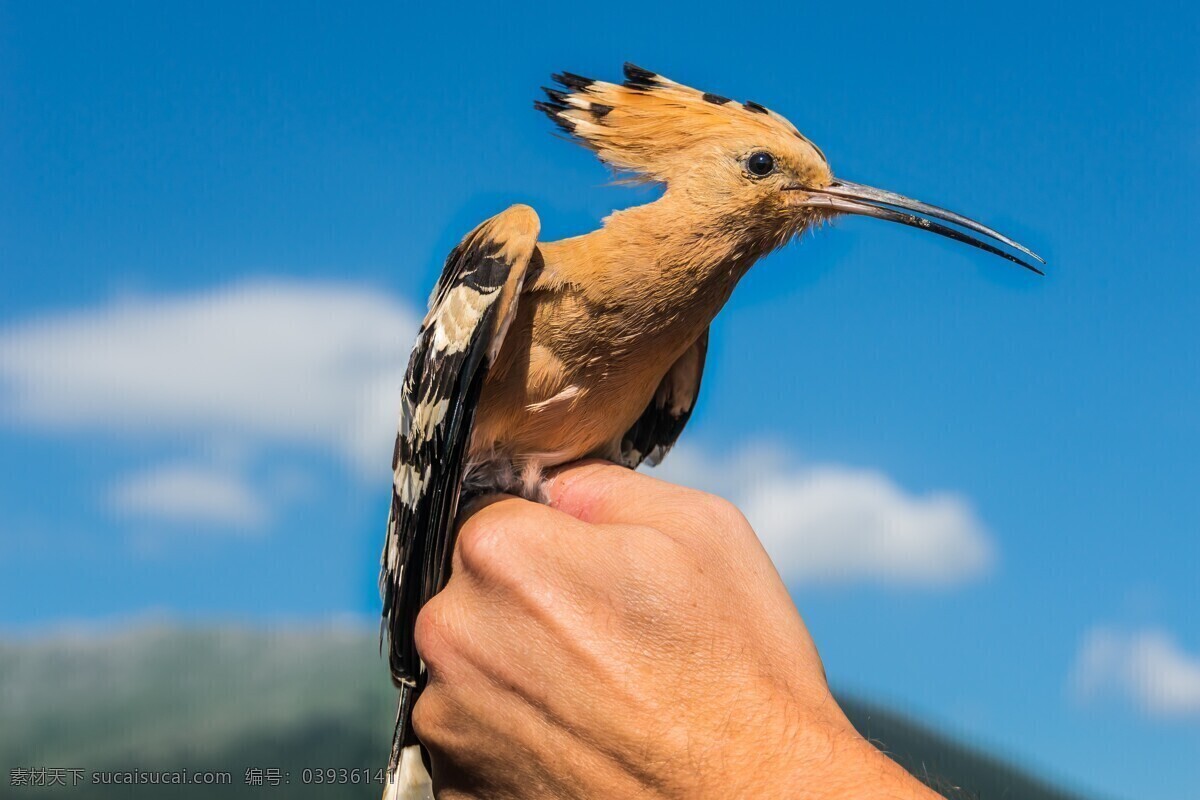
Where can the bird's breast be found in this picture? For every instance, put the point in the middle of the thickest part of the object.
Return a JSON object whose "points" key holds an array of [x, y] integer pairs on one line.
{"points": [[571, 379]]}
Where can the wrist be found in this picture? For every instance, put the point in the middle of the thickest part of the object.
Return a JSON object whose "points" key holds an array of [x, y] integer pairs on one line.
{"points": [[832, 761]]}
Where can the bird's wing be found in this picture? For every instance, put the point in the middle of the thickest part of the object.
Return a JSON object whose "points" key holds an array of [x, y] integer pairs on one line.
{"points": [[469, 314], [655, 432]]}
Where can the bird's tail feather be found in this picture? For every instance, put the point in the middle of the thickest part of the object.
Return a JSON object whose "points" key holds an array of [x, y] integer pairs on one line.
{"points": [[410, 781], [407, 778]]}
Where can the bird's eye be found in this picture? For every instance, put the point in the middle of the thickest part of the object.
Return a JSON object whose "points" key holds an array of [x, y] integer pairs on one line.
{"points": [[760, 164]]}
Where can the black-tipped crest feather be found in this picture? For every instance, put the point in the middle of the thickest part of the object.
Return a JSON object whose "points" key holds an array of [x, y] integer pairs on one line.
{"points": [[638, 78], [572, 81]]}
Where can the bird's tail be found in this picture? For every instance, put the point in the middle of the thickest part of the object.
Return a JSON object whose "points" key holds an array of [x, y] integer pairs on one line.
{"points": [[407, 778]]}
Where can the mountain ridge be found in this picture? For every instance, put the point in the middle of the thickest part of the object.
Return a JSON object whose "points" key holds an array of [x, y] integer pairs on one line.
{"points": [[163, 696]]}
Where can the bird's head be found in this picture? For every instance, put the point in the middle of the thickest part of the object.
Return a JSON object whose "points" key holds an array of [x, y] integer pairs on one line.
{"points": [[739, 161]]}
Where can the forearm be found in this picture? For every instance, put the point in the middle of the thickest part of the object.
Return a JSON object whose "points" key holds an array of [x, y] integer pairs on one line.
{"points": [[852, 769], [822, 758]]}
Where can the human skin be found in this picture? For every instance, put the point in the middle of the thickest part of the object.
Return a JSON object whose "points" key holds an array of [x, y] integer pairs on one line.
{"points": [[629, 640]]}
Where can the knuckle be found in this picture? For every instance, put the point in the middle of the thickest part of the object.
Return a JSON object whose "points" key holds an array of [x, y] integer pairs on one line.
{"points": [[433, 633], [710, 511], [713, 520], [427, 716], [497, 543], [481, 543], [721, 512]]}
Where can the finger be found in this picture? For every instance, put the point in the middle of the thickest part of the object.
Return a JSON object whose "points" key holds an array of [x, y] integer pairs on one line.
{"points": [[603, 493], [502, 535], [466, 512]]}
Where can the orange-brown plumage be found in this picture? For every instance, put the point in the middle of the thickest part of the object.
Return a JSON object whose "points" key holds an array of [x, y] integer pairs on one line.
{"points": [[607, 314], [538, 354]]}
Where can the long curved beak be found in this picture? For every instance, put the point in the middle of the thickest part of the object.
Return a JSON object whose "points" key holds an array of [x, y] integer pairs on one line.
{"points": [[844, 197]]}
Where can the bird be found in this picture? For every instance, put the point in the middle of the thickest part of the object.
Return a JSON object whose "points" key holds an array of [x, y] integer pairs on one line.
{"points": [[535, 354]]}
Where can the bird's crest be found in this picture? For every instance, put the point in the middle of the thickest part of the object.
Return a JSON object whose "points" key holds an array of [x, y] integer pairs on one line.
{"points": [[649, 124]]}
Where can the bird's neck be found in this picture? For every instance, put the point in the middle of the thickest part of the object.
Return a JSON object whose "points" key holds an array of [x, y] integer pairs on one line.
{"points": [[675, 260]]}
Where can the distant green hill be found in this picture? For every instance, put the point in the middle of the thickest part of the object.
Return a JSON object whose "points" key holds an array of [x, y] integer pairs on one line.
{"points": [[238, 699]]}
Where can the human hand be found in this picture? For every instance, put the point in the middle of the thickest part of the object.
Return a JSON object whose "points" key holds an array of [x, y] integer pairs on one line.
{"points": [[630, 640]]}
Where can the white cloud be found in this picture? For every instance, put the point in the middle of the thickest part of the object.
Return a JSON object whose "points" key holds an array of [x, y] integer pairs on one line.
{"points": [[289, 361], [188, 493], [824, 523], [1145, 667]]}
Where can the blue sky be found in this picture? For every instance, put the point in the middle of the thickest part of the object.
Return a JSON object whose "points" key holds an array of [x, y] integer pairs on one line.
{"points": [[217, 223]]}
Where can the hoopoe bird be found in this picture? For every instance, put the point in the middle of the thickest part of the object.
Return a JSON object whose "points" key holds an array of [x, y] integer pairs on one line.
{"points": [[535, 354]]}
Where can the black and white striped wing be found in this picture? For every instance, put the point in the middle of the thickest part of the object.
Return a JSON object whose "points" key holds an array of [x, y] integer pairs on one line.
{"points": [[655, 432], [469, 313]]}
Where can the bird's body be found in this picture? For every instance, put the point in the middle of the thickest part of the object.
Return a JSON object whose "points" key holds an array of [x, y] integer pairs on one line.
{"points": [[536, 354], [552, 396]]}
